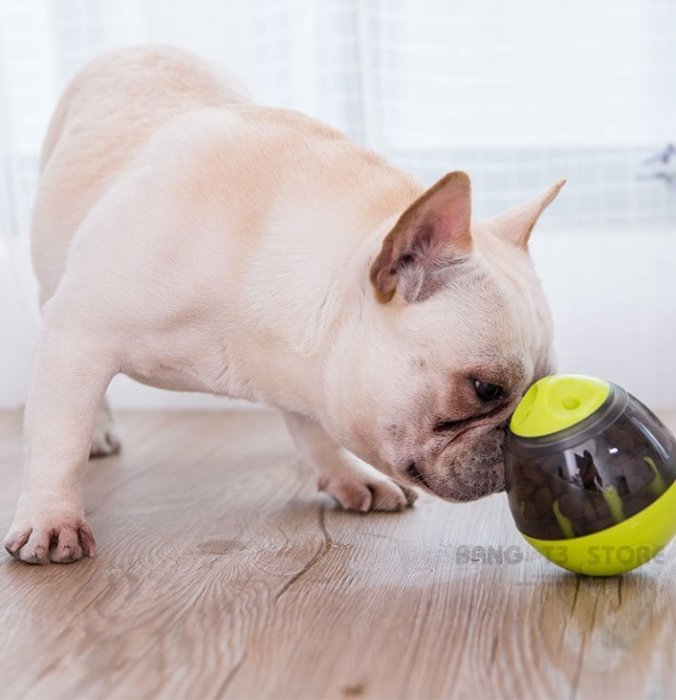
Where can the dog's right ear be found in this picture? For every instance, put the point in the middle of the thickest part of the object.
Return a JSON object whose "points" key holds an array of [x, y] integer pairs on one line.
{"points": [[433, 233], [516, 224]]}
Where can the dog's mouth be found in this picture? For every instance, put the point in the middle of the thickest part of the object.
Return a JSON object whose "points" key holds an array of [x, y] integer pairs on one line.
{"points": [[466, 476], [413, 469], [417, 477]]}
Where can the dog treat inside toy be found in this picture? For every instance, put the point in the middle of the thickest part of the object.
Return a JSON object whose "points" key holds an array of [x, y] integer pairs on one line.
{"points": [[590, 475]]}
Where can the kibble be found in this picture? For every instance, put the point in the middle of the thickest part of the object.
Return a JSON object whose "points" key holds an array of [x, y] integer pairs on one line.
{"points": [[540, 483]]}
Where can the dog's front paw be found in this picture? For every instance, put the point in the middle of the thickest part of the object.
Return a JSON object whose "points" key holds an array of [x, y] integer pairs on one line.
{"points": [[54, 532], [365, 493]]}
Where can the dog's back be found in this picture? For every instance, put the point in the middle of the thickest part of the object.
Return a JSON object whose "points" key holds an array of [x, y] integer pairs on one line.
{"points": [[108, 112]]}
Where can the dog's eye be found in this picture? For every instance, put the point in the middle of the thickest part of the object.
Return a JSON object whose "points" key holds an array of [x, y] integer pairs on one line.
{"points": [[486, 391]]}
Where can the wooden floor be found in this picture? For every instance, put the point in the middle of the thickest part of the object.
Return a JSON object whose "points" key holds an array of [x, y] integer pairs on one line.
{"points": [[221, 573]]}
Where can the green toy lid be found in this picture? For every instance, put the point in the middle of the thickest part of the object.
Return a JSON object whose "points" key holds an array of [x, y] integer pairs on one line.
{"points": [[558, 402]]}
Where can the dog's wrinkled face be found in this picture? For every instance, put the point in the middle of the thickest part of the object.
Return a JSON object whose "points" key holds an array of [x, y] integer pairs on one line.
{"points": [[458, 330], [460, 384]]}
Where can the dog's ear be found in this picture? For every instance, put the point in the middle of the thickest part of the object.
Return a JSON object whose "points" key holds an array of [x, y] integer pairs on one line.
{"points": [[433, 233], [516, 224]]}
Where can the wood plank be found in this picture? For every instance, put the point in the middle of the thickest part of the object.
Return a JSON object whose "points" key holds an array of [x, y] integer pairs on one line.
{"points": [[221, 573]]}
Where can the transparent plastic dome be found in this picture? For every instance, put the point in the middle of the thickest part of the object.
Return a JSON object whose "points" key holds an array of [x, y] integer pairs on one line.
{"points": [[592, 475]]}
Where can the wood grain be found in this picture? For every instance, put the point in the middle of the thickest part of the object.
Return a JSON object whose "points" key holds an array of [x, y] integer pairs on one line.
{"points": [[221, 573]]}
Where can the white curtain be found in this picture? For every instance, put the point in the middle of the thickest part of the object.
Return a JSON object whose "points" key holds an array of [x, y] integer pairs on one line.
{"points": [[517, 92]]}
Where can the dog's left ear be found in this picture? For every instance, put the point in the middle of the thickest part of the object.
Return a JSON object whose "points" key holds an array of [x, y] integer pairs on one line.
{"points": [[433, 233], [516, 224]]}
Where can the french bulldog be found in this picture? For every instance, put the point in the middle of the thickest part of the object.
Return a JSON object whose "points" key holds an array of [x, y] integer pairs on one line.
{"points": [[194, 240]]}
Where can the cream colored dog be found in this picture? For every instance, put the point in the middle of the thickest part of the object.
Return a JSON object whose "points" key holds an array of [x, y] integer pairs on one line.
{"points": [[196, 241]]}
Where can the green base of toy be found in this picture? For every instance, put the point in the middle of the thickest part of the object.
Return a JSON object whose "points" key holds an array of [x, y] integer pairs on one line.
{"points": [[619, 548]]}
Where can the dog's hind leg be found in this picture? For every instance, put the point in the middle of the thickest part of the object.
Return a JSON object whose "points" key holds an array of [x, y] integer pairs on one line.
{"points": [[354, 484], [106, 439]]}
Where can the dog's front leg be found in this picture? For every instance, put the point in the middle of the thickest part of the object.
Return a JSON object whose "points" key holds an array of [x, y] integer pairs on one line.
{"points": [[353, 483], [69, 378]]}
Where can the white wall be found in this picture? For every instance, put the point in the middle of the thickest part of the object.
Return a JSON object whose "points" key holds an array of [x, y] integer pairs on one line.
{"points": [[613, 297], [612, 294]]}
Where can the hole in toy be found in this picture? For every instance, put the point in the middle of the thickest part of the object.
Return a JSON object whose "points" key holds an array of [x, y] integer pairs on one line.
{"points": [[570, 403]]}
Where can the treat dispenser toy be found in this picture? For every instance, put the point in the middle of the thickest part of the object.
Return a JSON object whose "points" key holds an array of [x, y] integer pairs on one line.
{"points": [[590, 475]]}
